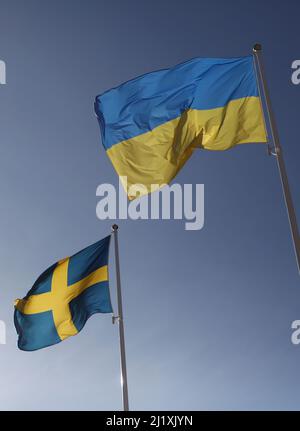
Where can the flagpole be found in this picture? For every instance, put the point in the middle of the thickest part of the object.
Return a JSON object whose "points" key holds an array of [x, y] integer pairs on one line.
{"points": [[119, 318], [257, 49]]}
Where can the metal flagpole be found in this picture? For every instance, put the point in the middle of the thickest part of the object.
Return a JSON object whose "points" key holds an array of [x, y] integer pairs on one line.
{"points": [[119, 318], [278, 153]]}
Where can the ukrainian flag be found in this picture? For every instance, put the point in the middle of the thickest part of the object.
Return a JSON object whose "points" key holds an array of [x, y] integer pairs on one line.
{"points": [[64, 297], [151, 125]]}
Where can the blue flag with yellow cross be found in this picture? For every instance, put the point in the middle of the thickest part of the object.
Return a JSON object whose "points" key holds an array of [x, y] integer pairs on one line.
{"points": [[64, 297]]}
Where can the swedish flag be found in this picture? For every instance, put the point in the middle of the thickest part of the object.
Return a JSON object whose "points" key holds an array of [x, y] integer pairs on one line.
{"points": [[64, 297]]}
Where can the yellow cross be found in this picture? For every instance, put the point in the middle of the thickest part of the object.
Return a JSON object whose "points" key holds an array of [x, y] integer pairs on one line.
{"points": [[60, 296]]}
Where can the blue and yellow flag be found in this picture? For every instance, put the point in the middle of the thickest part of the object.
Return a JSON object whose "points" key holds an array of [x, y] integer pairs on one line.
{"points": [[151, 125], [64, 297]]}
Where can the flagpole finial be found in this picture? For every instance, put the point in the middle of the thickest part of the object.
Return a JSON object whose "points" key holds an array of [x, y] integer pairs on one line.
{"points": [[257, 47], [114, 227]]}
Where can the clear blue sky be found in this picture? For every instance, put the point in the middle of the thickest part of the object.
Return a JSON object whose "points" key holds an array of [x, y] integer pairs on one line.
{"points": [[207, 313]]}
